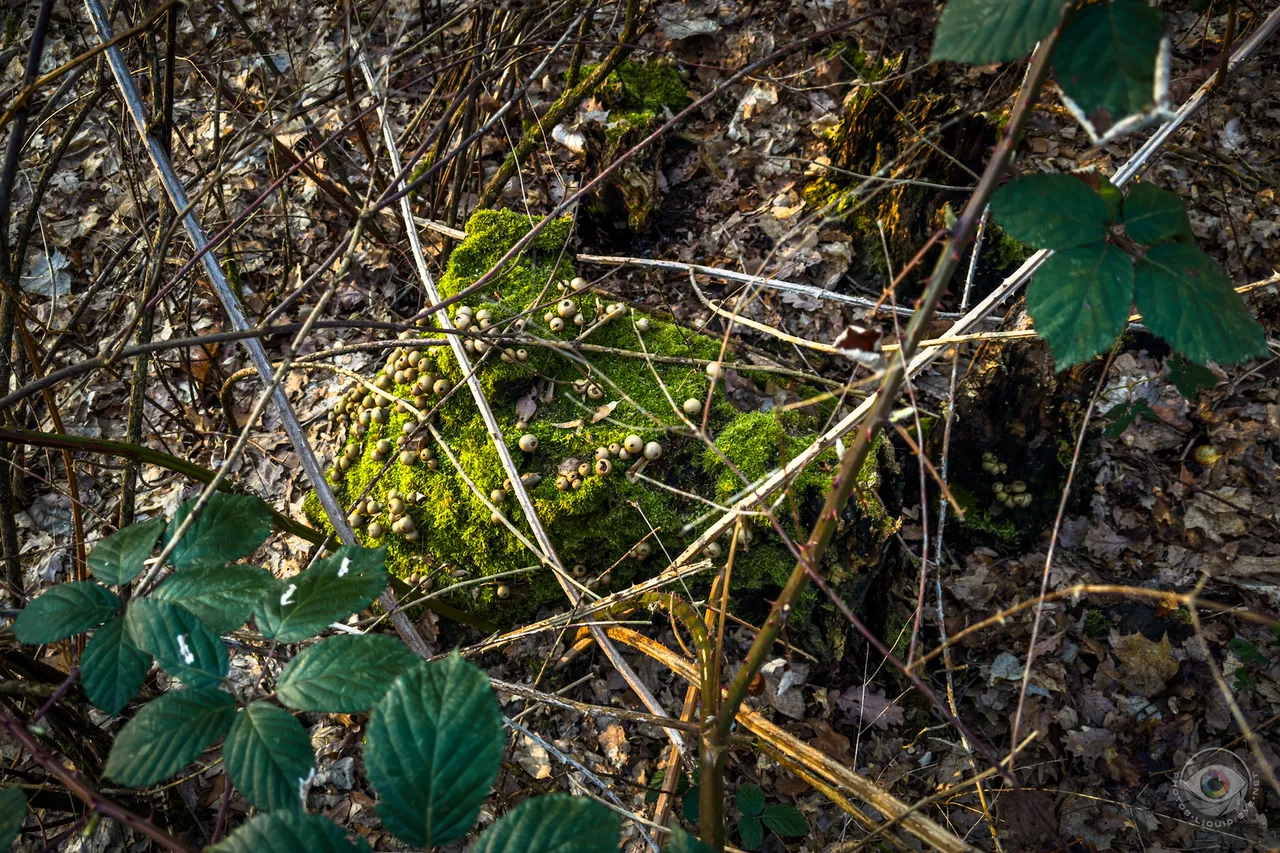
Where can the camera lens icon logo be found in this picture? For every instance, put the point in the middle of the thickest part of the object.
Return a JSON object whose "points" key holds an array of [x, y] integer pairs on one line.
{"points": [[1214, 786]]}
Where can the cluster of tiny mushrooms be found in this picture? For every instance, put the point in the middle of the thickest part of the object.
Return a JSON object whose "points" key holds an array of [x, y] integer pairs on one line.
{"points": [[1009, 495], [359, 408]]}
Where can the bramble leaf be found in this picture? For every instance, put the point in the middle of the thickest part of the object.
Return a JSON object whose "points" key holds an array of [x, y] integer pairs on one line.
{"points": [[331, 590], [1050, 211], [118, 558], [112, 668], [1080, 301], [787, 821], [228, 528], [1106, 59], [751, 833], [289, 832], [64, 610], [984, 31], [433, 750], [181, 643], [1187, 299], [168, 733], [1153, 215], [750, 799], [1188, 377], [344, 674], [556, 823], [13, 814], [223, 597], [269, 757]]}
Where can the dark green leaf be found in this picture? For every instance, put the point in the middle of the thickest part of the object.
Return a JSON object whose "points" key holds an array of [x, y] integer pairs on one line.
{"points": [[691, 804], [556, 823], [1188, 377], [751, 833], [1124, 414], [1247, 651], [1187, 299], [181, 643], [112, 668], [785, 820], [290, 832], [228, 528], [750, 799], [1153, 215], [66, 609], [683, 842], [269, 757], [1050, 211], [345, 674], [13, 814], [1111, 197], [331, 590], [1106, 59], [222, 597], [1080, 301], [434, 744], [118, 558], [168, 733], [984, 31]]}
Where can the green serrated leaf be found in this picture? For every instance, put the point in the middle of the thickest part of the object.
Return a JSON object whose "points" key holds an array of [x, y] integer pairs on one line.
{"points": [[750, 833], [1153, 215], [228, 528], [168, 733], [344, 674], [1050, 211], [1123, 414], [269, 757], [1080, 301], [222, 597], [434, 744], [180, 642], [112, 668], [787, 821], [290, 832], [1187, 299], [64, 610], [118, 558], [331, 590], [1190, 378], [750, 799], [556, 823], [984, 31], [13, 814], [682, 842], [1106, 59]]}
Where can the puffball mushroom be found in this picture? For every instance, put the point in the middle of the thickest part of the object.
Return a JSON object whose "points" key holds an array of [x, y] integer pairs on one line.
{"points": [[503, 591], [566, 308], [652, 450], [713, 370], [497, 496], [578, 284], [594, 392], [556, 324], [692, 407], [604, 467], [528, 442], [633, 444], [408, 457], [642, 325], [376, 530], [441, 387]]}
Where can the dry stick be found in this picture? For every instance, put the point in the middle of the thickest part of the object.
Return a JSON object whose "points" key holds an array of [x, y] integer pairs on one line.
{"points": [[771, 283], [73, 782], [231, 307], [540, 536], [1053, 543], [943, 505]]}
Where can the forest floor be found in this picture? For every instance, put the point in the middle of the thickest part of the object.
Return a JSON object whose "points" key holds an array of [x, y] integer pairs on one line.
{"points": [[1176, 488]]}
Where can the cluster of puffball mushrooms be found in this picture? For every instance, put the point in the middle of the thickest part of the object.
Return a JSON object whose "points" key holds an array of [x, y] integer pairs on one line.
{"points": [[572, 472], [1008, 495]]}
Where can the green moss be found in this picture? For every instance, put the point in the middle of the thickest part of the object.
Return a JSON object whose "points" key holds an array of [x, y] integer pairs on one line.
{"points": [[643, 86], [1097, 623], [977, 519], [598, 524]]}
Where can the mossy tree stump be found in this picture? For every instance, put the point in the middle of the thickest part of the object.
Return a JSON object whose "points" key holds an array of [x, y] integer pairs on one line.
{"points": [[581, 405]]}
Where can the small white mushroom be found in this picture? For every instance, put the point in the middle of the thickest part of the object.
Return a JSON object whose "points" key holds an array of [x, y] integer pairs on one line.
{"points": [[376, 530], [602, 453], [528, 442], [556, 324], [594, 392], [441, 387], [408, 457], [503, 591], [633, 444], [497, 496], [692, 407], [713, 370], [652, 450], [578, 284], [522, 355], [642, 325], [566, 308], [604, 467], [712, 550]]}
